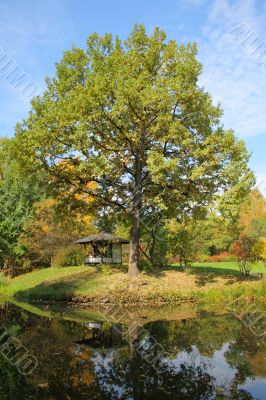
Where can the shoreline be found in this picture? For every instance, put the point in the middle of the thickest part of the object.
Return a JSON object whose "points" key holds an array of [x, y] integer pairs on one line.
{"points": [[79, 287], [248, 291]]}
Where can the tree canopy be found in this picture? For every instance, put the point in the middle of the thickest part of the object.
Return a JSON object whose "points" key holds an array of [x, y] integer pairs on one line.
{"points": [[128, 124]]}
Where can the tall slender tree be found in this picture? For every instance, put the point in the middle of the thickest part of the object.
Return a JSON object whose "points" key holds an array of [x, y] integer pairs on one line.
{"points": [[131, 118]]}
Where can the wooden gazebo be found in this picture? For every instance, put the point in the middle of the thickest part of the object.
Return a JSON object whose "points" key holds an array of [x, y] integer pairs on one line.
{"points": [[103, 248]]}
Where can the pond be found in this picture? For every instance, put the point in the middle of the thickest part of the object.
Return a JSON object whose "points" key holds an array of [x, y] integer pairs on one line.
{"points": [[68, 354]]}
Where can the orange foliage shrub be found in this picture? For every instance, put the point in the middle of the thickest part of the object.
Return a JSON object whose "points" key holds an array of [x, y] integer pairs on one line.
{"points": [[222, 257]]}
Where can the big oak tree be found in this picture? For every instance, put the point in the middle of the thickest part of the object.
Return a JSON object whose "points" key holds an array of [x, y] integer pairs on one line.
{"points": [[128, 124]]}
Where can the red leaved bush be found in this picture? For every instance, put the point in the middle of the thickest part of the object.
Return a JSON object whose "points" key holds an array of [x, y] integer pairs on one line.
{"points": [[222, 257]]}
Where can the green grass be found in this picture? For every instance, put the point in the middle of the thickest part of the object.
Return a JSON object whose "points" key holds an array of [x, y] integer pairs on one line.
{"points": [[250, 291], [58, 284], [208, 282], [229, 267], [11, 287]]}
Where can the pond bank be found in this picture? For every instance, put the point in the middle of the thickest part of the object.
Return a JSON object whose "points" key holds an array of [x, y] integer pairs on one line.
{"points": [[85, 287], [113, 313]]}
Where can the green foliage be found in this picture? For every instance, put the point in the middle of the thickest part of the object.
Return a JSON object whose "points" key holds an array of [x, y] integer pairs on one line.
{"points": [[17, 196], [105, 269], [219, 232], [145, 265], [4, 250], [155, 243], [32, 222], [68, 256], [187, 240], [134, 130]]}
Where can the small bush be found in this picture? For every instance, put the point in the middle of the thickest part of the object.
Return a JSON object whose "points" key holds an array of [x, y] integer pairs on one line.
{"points": [[222, 257], [105, 269], [26, 265], [69, 256], [145, 265]]}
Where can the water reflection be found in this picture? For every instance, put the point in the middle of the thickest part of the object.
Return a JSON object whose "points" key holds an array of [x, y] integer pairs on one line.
{"points": [[208, 357]]}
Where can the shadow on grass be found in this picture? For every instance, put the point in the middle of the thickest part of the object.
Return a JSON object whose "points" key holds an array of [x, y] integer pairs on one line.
{"points": [[58, 290], [203, 274], [207, 274]]}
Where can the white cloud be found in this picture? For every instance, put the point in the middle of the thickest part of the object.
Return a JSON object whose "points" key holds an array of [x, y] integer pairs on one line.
{"points": [[233, 76]]}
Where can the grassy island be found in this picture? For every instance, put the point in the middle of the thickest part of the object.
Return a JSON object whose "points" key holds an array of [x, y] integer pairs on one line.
{"points": [[212, 283]]}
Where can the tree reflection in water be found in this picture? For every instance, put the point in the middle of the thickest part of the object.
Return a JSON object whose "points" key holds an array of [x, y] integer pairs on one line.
{"points": [[107, 361]]}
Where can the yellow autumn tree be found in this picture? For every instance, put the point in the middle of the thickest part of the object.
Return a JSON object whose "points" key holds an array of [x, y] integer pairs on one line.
{"points": [[259, 249], [52, 229], [252, 215]]}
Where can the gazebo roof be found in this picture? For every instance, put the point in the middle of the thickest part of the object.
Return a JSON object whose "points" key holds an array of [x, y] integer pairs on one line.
{"points": [[102, 238]]}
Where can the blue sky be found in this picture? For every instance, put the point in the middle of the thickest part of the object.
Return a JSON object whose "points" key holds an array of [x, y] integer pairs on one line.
{"points": [[227, 32]]}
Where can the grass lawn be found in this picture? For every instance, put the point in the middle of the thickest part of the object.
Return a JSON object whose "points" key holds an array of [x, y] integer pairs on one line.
{"points": [[209, 281], [9, 287], [229, 267]]}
